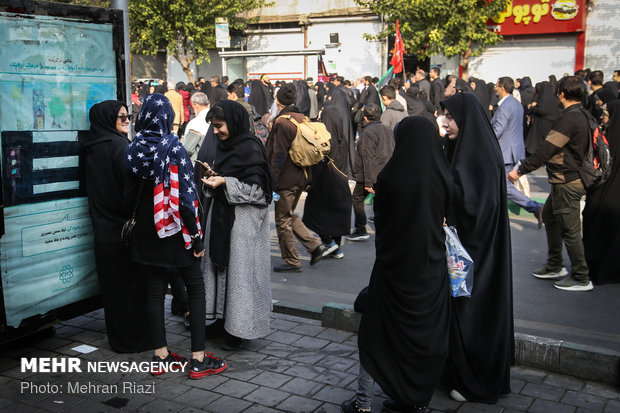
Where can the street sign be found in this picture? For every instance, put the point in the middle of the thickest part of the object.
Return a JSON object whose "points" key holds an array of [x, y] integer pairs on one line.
{"points": [[222, 36]]}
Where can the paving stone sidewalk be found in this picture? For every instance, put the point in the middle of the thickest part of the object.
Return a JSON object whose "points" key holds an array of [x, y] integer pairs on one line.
{"points": [[300, 367]]}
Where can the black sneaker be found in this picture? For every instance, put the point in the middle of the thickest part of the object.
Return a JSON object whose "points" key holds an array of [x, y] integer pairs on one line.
{"points": [[317, 254], [358, 236], [210, 365], [172, 362], [351, 407]]}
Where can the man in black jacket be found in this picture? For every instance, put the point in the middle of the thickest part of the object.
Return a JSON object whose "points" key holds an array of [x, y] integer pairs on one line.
{"points": [[563, 152], [374, 148]]}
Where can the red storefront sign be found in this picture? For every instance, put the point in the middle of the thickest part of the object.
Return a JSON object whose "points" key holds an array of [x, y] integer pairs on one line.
{"points": [[540, 16]]}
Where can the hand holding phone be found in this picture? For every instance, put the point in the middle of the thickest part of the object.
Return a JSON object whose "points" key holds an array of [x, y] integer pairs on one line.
{"points": [[208, 172]]}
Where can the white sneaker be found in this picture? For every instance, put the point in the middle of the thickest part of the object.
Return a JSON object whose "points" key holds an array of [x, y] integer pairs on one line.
{"points": [[543, 273], [455, 395]]}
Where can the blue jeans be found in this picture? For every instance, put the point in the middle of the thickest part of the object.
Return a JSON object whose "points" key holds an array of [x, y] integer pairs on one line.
{"points": [[518, 197]]}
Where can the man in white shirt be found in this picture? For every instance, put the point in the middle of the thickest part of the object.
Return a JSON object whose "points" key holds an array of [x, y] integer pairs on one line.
{"points": [[197, 128]]}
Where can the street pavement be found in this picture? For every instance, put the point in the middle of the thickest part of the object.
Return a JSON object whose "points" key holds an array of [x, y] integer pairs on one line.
{"points": [[302, 366], [299, 367], [589, 318]]}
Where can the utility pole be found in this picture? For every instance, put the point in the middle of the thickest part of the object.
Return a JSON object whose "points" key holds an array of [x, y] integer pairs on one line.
{"points": [[124, 6]]}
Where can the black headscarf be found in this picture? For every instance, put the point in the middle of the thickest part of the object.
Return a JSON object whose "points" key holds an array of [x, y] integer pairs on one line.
{"points": [[241, 156], [461, 86], [482, 326], [103, 116], [601, 216], [337, 118], [403, 336], [302, 98], [606, 94], [320, 93], [260, 97], [542, 116]]}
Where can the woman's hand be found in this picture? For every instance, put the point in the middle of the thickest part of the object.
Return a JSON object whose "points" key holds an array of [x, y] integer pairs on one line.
{"points": [[199, 254], [214, 181]]}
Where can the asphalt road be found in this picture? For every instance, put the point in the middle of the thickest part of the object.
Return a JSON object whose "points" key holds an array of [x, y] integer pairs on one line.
{"points": [[589, 318]]}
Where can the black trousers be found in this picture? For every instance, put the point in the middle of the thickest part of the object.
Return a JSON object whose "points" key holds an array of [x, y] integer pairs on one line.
{"points": [[124, 300], [157, 283], [359, 194]]}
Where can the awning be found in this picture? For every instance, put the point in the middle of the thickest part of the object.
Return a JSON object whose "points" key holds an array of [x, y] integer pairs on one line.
{"points": [[261, 53]]}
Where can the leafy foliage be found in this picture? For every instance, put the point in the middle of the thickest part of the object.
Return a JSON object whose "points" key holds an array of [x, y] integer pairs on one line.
{"points": [[448, 27], [185, 28]]}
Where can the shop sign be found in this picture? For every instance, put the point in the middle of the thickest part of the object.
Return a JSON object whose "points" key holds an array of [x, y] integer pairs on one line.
{"points": [[540, 16]]}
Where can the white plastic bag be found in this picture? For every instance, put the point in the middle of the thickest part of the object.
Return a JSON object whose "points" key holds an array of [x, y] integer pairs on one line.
{"points": [[460, 265]]}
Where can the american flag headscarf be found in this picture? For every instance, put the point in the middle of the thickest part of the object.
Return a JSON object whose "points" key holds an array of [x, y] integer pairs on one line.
{"points": [[156, 155]]}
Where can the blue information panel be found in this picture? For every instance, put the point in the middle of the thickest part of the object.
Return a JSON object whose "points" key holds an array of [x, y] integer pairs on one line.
{"points": [[52, 71]]}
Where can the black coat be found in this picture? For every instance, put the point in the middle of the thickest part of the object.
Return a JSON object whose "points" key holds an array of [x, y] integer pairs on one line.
{"points": [[374, 149], [108, 182]]}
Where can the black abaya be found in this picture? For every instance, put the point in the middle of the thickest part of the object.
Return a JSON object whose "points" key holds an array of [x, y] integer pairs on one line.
{"points": [[403, 336], [481, 330], [260, 97], [601, 216], [122, 288], [542, 116], [337, 119]]}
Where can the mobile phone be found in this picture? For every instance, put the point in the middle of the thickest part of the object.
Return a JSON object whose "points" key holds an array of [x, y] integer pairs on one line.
{"points": [[207, 169]]}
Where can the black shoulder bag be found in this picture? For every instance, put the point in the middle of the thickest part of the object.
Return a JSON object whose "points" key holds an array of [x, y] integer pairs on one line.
{"points": [[128, 226]]}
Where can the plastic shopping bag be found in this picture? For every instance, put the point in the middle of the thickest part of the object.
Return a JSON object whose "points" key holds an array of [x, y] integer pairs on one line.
{"points": [[460, 265]]}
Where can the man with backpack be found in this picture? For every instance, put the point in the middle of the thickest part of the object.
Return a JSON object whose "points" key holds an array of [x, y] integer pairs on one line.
{"points": [[563, 153], [290, 181]]}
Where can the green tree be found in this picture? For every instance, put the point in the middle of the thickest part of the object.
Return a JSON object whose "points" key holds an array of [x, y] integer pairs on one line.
{"points": [[448, 27], [185, 28]]}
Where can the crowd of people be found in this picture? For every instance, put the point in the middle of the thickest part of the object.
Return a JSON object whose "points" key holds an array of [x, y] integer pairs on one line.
{"points": [[208, 159]]}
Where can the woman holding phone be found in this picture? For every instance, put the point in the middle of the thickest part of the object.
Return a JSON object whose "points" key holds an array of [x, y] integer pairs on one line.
{"points": [[237, 268]]}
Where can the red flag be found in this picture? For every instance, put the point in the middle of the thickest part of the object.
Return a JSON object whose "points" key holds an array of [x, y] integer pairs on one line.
{"points": [[398, 52]]}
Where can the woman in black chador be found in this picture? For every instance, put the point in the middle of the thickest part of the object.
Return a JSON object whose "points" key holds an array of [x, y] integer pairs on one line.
{"points": [[403, 337], [601, 216], [108, 183], [481, 328], [542, 115]]}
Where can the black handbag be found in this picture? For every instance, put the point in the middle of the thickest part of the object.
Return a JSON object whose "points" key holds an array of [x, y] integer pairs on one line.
{"points": [[128, 226]]}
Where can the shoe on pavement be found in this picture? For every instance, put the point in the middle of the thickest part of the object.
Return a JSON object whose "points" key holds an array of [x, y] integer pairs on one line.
{"points": [[392, 406], [317, 254], [208, 366], [570, 284], [539, 218], [351, 407], [358, 236], [456, 395], [336, 254], [329, 248], [287, 268], [545, 273], [233, 343], [172, 362]]}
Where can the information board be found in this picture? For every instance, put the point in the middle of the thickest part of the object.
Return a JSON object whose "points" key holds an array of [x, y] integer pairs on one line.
{"points": [[52, 71]]}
